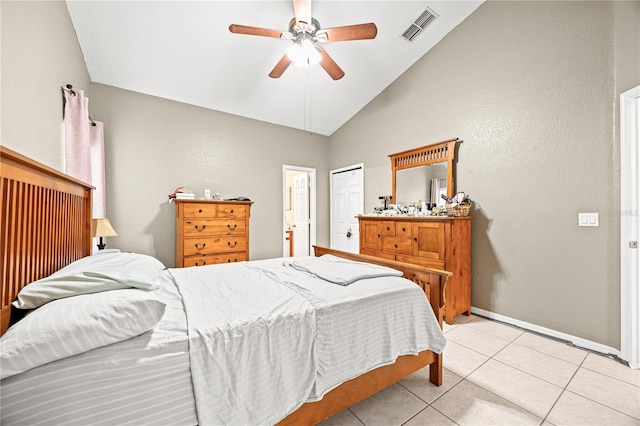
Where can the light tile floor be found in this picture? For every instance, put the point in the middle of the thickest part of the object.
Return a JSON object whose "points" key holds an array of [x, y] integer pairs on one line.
{"points": [[495, 374]]}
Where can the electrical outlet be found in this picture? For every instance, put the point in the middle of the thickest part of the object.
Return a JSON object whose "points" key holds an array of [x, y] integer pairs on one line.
{"points": [[588, 219]]}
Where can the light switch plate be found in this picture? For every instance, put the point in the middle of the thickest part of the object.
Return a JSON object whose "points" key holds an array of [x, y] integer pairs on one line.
{"points": [[588, 219]]}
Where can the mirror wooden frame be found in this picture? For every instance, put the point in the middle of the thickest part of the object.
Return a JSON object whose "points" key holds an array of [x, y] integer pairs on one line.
{"points": [[440, 152]]}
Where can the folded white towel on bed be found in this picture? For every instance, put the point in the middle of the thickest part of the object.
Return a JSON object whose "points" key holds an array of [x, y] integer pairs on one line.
{"points": [[340, 271]]}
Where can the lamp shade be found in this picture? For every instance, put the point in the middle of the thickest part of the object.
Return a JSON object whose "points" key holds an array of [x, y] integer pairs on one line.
{"points": [[102, 228]]}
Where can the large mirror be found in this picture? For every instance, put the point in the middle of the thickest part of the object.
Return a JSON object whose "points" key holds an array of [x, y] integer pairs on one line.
{"points": [[424, 174]]}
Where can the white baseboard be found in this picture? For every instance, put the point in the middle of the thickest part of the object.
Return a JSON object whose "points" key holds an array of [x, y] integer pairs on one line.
{"points": [[577, 341]]}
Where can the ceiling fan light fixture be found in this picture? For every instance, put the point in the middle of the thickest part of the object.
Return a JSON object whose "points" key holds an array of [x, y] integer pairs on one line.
{"points": [[304, 53], [307, 35]]}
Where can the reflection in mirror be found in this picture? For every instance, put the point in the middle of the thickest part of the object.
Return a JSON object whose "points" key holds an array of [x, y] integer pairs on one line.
{"points": [[424, 183]]}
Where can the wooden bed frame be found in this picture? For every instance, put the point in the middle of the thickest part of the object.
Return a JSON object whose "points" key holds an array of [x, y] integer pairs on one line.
{"points": [[46, 224]]}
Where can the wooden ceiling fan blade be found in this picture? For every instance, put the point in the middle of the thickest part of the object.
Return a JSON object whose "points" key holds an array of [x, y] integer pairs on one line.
{"points": [[352, 32], [330, 65], [256, 31], [280, 67], [302, 11]]}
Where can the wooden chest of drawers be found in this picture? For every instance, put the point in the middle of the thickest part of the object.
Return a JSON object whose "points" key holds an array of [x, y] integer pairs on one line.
{"points": [[438, 242], [211, 231]]}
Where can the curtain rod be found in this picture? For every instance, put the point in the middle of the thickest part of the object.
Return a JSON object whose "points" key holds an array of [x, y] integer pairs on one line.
{"points": [[73, 93]]}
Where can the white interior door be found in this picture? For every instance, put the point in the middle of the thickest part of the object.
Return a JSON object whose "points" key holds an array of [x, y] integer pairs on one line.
{"points": [[347, 202], [301, 215], [630, 226]]}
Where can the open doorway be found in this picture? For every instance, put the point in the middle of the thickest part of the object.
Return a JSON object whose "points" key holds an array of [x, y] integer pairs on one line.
{"points": [[299, 210]]}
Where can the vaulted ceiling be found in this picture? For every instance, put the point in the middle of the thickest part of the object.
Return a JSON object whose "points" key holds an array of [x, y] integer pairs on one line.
{"points": [[184, 51]]}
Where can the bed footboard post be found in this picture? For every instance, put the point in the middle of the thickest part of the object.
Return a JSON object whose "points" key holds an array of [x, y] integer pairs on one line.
{"points": [[436, 284], [435, 371]]}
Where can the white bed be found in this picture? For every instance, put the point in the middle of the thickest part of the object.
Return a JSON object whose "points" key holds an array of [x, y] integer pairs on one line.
{"points": [[319, 334], [121, 355]]}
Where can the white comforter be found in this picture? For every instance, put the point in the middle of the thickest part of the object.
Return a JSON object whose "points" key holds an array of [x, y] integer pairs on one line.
{"points": [[364, 325], [266, 337], [251, 344], [322, 335]]}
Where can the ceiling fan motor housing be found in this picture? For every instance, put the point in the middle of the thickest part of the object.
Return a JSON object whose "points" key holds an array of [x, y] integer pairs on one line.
{"points": [[300, 33]]}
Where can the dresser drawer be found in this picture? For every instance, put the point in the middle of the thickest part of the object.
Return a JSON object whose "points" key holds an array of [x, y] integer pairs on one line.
{"points": [[231, 211], [213, 259], [398, 245], [199, 210], [388, 228], [199, 227], [195, 210], [210, 245], [403, 229]]}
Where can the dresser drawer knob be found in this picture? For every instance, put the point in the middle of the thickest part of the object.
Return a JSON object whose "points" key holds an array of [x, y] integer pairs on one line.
{"points": [[388, 229], [235, 225], [200, 229], [404, 229], [395, 245], [201, 264], [232, 210], [200, 246], [235, 243], [232, 260], [200, 211]]}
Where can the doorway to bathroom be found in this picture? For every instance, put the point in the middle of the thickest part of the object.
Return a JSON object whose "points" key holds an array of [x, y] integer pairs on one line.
{"points": [[299, 210]]}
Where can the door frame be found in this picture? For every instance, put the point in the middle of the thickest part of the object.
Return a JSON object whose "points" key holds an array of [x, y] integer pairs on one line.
{"points": [[629, 226], [332, 204], [312, 205]]}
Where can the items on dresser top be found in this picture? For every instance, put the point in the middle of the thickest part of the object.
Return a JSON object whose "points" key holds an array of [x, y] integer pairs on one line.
{"points": [[211, 231], [182, 193]]}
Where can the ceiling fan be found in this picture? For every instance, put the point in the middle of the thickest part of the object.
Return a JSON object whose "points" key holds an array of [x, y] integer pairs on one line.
{"points": [[306, 34]]}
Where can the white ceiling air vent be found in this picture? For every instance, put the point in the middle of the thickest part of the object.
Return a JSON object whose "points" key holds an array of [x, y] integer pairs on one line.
{"points": [[417, 26]]}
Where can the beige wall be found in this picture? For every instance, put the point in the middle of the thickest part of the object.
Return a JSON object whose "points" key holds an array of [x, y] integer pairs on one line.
{"points": [[40, 54], [154, 145], [530, 88]]}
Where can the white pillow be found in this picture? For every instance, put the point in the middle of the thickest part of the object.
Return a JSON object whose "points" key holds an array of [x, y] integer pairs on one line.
{"points": [[92, 274], [74, 325]]}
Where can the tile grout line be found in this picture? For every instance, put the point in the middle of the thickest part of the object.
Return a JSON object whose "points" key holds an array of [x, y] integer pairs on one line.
{"points": [[489, 390], [431, 404], [593, 400], [564, 389]]}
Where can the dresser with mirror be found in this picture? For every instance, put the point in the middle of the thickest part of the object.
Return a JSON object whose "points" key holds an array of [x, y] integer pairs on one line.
{"points": [[421, 176]]}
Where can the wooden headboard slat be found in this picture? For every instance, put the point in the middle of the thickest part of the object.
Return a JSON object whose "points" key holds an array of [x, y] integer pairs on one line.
{"points": [[45, 224]]}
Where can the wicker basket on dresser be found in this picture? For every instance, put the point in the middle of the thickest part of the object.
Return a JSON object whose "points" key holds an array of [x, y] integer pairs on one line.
{"points": [[439, 242], [211, 231]]}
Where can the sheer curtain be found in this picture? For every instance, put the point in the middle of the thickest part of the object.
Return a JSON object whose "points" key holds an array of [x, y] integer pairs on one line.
{"points": [[84, 146]]}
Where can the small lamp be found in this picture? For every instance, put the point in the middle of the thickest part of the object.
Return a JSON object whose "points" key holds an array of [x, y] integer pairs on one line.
{"points": [[102, 228]]}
